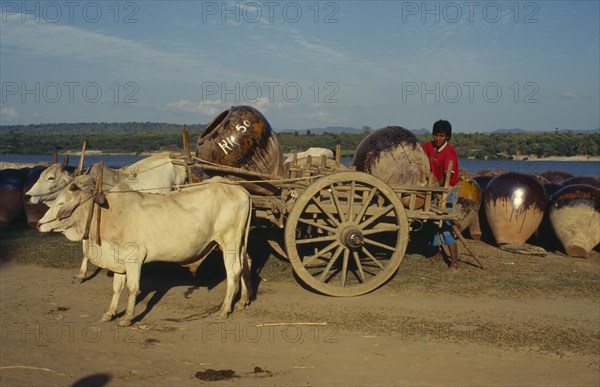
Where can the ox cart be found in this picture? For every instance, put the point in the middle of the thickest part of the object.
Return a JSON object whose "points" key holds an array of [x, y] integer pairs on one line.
{"points": [[345, 232]]}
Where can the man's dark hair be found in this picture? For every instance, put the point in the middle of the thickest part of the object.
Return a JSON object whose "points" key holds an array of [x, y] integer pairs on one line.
{"points": [[442, 126]]}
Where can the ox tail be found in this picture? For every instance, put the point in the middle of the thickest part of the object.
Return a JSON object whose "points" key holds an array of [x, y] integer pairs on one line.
{"points": [[246, 263]]}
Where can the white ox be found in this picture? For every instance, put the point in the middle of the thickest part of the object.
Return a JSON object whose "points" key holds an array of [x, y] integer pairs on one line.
{"points": [[158, 173], [136, 228], [154, 174]]}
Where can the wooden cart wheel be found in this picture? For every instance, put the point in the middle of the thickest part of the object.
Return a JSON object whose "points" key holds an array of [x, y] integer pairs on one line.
{"points": [[346, 234]]}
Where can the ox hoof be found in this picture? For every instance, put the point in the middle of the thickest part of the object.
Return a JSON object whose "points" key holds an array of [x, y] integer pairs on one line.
{"points": [[124, 322], [106, 317], [221, 314]]}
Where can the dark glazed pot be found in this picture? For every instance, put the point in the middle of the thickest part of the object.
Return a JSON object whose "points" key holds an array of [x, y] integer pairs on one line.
{"points": [[514, 207], [33, 212], [556, 177], [468, 203], [394, 155], [241, 137], [575, 218], [479, 226], [11, 194], [593, 181]]}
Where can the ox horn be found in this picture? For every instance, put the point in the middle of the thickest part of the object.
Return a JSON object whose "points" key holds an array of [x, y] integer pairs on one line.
{"points": [[65, 162]]}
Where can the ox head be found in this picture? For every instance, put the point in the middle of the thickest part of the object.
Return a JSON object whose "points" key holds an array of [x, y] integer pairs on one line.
{"points": [[62, 216], [50, 183]]}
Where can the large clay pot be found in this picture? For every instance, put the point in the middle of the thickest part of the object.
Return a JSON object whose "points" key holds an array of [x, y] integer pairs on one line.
{"points": [[241, 137], [468, 203], [575, 218], [394, 155], [33, 212], [479, 226], [593, 181], [11, 194], [514, 207], [544, 236], [556, 177]]}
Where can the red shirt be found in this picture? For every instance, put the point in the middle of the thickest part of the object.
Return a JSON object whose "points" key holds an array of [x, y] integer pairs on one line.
{"points": [[439, 160]]}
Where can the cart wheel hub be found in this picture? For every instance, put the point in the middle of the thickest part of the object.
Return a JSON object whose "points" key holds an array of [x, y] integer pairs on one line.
{"points": [[352, 237]]}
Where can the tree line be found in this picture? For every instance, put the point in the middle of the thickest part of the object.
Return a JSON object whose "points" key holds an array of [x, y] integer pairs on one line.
{"points": [[138, 138]]}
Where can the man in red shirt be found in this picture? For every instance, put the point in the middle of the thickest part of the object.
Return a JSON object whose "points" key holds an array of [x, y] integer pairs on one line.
{"points": [[440, 152]]}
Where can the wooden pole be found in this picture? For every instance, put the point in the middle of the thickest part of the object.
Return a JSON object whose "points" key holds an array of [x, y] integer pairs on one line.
{"points": [[79, 169], [88, 223], [464, 242], [186, 141], [99, 190]]}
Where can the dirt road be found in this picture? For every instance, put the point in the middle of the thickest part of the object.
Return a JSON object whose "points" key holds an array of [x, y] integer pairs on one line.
{"points": [[524, 320]]}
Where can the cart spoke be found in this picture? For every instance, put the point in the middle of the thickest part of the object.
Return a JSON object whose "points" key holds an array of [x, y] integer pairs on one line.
{"points": [[381, 229], [379, 244], [359, 266], [372, 258], [351, 200], [315, 224], [375, 217], [365, 205], [345, 266], [320, 254], [316, 240], [331, 218], [336, 201], [330, 264]]}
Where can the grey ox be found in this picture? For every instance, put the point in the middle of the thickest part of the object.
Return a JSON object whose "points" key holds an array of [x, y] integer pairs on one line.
{"points": [[158, 173], [135, 228]]}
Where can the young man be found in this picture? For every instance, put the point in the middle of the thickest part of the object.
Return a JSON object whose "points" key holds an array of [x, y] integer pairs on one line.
{"points": [[440, 152]]}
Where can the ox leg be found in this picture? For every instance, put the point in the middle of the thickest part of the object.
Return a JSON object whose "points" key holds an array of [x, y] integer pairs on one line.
{"points": [[84, 261], [246, 279], [133, 285], [234, 271], [118, 285], [82, 270]]}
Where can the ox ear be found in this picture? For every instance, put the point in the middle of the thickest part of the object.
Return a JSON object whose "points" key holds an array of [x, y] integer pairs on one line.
{"points": [[67, 209], [100, 199], [84, 183]]}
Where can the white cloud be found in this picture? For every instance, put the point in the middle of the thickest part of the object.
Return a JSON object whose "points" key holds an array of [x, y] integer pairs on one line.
{"points": [[568, 95], [324, 117], [202, 107], [213, 107], [9, 113], [121, 55]]}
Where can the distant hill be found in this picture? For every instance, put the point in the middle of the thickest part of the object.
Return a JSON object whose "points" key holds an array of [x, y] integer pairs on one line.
{"points": [[329, 129], [340, 129], [97, 127], [514, 130], [139, 127], [519, 130]]}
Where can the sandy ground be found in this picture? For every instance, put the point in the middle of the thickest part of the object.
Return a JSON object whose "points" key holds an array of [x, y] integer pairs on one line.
{"points": [[524, 320]]}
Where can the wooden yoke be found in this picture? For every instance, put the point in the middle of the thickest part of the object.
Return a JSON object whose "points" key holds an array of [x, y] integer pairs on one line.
{"points": [[88, 223]]}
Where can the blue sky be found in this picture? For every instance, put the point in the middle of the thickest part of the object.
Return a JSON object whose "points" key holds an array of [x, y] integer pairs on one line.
{"points": [[482, 65]]}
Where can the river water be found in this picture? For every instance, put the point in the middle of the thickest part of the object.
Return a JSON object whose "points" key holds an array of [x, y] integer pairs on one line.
{"points": [[473, 166]]}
